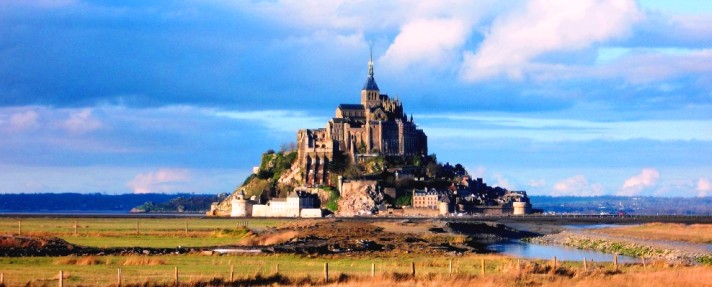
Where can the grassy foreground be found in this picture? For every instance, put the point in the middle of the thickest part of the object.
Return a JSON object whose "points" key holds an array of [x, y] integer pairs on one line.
{"points": [[198, 270], [137, 232]]}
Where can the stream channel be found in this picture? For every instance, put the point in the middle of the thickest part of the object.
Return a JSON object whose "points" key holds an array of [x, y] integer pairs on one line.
{"points": [[528, 250]]}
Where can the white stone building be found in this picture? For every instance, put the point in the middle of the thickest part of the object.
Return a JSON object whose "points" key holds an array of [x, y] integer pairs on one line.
{"points": [[298, 204]]}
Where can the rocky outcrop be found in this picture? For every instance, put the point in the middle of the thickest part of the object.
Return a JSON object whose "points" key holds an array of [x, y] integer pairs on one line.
{"points": [[364, 201]]}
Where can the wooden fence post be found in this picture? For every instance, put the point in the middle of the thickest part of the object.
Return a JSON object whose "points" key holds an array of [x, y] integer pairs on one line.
{"points": [[615, 261], [2, 278], [176, 276], [19, 226], [482, 265], [644, 267], [373, 269], [118, 278], [232, 273], [412, 268], [585, 268], [326, 272], [554, 267], [450, 272], [75, 228], [276, 268], [61, 279]]}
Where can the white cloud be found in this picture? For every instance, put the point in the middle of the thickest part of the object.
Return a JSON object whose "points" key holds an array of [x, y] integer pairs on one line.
{"points": [[502, 182], [536, 183], [81, 121], [647, 178], [427, 43], [654, 65], [577, 185], [704, 187], [545, 26], [23, 120], [163, 180], [428, 33]]}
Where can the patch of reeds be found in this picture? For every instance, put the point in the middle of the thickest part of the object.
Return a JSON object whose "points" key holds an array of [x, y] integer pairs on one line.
{"points": [[270, 239], [143, 261], [240, 232], [83, 260]]}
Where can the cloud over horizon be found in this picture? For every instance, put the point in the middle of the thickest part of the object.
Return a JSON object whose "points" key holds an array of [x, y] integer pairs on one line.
{"points": [[164, 180], [637, 184], [577, 185]]}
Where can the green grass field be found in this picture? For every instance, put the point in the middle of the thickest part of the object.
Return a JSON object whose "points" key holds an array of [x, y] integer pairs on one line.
{"points": [[499, 270], [104, 269], [122, 232]]}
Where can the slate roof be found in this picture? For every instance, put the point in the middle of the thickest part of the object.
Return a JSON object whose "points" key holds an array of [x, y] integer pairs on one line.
{"points": [[350, 107], [370, 84]]}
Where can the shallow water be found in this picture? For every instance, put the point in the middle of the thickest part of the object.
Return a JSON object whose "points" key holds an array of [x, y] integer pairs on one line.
{"points": [[539, 251]]}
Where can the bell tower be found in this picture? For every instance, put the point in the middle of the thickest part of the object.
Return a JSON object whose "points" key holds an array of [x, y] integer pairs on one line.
{"points": [[370, 94]]}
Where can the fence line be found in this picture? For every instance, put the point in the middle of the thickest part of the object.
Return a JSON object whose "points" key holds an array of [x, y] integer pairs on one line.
{"points": [[446, 268]]}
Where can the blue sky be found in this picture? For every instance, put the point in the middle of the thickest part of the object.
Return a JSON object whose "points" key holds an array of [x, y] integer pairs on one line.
{"points": [[553, 97]]}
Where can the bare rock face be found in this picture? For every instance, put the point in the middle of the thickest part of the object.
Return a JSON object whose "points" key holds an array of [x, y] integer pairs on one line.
{"points": [[292, 177], [362, 202]]}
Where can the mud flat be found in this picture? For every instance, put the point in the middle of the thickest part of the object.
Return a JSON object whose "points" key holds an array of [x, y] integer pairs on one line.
{"points": [[310, 237], [669, 251]]}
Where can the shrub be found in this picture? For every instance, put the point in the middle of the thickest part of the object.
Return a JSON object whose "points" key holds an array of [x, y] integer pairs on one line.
{"points": [[404, 200], [333, 203]]}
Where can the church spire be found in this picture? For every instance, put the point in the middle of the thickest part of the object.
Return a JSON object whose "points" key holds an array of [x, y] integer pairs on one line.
{"points": [[370, 84], [370, 60]]}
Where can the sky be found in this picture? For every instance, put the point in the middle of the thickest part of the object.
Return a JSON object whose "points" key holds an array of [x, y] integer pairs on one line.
{"points": [[555, 97]]}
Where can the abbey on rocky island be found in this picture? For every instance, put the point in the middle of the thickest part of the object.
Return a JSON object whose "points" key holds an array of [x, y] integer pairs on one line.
{"points": [[376, 126]]}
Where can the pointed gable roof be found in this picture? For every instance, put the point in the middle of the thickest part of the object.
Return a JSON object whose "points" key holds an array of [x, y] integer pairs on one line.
{"points": [[370, 84]]}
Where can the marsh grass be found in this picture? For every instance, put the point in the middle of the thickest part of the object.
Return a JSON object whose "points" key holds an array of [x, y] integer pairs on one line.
{"points": [[83, 260], [258, 270], [122, 232], [240, 232], [694, 233], [143, 261]]}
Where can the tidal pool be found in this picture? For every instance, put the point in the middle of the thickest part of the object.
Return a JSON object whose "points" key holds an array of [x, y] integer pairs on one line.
{"points": [[539, 251]]}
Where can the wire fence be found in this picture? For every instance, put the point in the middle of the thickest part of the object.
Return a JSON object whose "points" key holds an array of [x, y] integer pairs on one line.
{"points": [[323, 271]]}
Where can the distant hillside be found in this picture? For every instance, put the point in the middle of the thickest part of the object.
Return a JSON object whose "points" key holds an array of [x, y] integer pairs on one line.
{"points": [[629, 205], [77, 202], [182, 203]]}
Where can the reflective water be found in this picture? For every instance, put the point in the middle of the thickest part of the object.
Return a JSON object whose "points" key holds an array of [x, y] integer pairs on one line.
{"points": [[539, 251]]}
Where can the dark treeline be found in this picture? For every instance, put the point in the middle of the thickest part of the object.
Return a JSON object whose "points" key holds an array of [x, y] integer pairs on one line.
{"points": [[77, 202], [629, 205]]}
